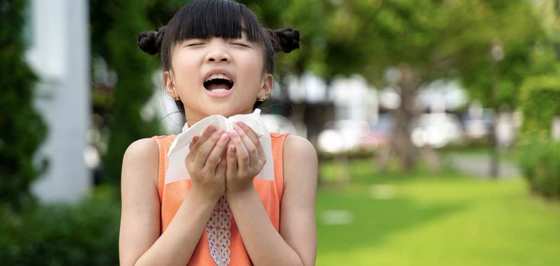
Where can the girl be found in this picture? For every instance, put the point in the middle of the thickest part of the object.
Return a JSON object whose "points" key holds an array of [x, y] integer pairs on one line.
{"points": [[218, 59]]}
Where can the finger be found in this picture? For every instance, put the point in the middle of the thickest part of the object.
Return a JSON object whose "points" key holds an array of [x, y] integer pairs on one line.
{"points": [[231, 159], [216, 153], [253, 136], [193, 141], [249, 146], [190, 157], [221, 169], [206, 148], [206, 134], [241, 152], [248, 130]]}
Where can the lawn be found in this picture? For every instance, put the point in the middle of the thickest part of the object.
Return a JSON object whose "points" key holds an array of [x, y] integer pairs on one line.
{"points": [[433, 219]]}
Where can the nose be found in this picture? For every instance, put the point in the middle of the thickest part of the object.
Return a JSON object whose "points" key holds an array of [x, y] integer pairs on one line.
{"points": [[218, 52]]}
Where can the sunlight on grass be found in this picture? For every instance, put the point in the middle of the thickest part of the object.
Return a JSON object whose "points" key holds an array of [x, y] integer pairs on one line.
{"points": [[433, 219]]}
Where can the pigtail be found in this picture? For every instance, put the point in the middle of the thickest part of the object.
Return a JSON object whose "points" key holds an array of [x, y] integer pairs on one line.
{"points": [[285, 40], [150, 42]]}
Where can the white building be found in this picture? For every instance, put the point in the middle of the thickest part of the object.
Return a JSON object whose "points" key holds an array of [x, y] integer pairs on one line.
{"points": [[57, 34]]}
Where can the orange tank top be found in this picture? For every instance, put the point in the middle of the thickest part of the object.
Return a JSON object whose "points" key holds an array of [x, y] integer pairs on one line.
{"points": [[171, 196]]}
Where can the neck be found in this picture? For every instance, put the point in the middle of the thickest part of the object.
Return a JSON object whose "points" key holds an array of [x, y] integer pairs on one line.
{"points": [[193, 117]]}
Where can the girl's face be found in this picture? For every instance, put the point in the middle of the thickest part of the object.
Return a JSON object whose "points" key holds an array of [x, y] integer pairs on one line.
{"points": [[195, 61]]}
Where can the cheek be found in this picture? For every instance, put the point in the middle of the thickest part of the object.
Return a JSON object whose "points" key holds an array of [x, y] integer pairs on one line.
{"points": [[186, 69], [251, 63]]}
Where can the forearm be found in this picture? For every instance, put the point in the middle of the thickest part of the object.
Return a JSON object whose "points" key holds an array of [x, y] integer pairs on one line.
{"points": [[176, 245], [263, 243]]}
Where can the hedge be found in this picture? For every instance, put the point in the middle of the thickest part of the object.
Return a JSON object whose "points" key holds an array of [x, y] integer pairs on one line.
{"points": [[540, 155]]}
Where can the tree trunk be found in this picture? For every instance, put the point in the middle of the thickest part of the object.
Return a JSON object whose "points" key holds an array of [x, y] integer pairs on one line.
{"points": [[400, 143], [494, 147]]}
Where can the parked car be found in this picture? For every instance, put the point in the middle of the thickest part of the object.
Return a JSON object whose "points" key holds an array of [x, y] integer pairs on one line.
{"points": [[436, 130], [478, 127], [379, 134], [342, 135]]}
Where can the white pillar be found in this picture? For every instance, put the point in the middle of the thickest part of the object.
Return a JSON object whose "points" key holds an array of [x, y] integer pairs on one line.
{"points": [[59, 54]]}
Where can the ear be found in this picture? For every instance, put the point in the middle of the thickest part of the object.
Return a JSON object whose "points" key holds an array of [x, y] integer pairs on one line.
{"points": [[168, 83], [267, 84]]}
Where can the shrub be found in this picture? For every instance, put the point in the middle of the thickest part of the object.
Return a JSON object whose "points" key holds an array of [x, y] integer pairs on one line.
{"points": [[539, 155], [84, 234], [540, 104], [540, 163]]}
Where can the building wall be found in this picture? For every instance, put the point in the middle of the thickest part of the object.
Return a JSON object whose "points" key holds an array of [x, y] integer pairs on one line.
{"points": [[58, 51]]}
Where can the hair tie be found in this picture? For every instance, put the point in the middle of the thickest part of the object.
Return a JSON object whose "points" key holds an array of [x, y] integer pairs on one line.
{"points": [[150, 42], [286, 40]]}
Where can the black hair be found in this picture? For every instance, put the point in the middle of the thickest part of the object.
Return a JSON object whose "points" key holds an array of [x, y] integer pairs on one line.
{"points": [[201, 19]]}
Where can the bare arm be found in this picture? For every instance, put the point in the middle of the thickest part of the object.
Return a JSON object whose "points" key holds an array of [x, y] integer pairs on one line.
{"points": [[298, 224], [139, 242], [296, 245]]}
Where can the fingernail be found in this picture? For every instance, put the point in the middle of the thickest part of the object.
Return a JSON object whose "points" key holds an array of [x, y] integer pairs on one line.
{"points": [[224, 137], [211, 129]]}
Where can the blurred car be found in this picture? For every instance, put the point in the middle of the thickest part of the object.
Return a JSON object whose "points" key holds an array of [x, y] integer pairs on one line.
{"points": [[342, 135], [477, 127], [436, 130], [379, 134]]}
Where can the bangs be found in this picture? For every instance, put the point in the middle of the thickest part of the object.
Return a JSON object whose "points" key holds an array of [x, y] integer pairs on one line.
{"points": [[202, 19]]}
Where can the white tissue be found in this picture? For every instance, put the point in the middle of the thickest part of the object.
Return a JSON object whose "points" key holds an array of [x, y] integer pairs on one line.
{"points": [[179, 149]]}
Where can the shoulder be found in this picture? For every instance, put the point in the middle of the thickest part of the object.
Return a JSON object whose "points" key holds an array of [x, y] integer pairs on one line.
{"points": [[300, 160], [141, 149], [141, 160], [296, 145]]}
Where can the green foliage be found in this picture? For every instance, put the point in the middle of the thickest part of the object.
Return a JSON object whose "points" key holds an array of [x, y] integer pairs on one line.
{"points": [[540, 104], [22, 130], [539, 155], [85, 234], [443, 39], [517, 37], [540, 161], [115, 29]]}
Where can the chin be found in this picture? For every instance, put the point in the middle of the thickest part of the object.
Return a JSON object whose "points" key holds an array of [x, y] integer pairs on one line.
{"points": [[225, 110]]}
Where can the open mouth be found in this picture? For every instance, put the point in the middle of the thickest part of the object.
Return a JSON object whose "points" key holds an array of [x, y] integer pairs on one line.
{"points": [[218, 83]]}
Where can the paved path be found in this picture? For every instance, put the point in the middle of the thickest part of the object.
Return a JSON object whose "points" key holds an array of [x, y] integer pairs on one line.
{"points": [[478, 165]]}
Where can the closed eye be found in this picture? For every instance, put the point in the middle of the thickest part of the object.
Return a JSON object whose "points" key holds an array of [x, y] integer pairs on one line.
{"points": [[241, 44], [195, 44]]}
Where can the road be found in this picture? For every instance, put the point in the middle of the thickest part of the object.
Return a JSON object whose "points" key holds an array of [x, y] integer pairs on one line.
{"points": [[478, 165]]}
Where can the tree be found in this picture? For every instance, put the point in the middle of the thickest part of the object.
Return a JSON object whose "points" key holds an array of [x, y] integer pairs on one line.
{"points": [[115, 27], [496, 79], [22, 129], [549, 13], [427, 40]]}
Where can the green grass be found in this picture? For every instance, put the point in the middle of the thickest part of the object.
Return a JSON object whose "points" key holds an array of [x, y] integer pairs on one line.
{"points": [[434, 219]]}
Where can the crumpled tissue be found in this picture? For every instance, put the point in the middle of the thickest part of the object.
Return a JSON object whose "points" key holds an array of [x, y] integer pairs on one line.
{"points": [[177, 170]]}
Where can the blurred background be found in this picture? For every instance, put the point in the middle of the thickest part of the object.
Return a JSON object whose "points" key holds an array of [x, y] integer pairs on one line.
{"points": [[437, 124]]}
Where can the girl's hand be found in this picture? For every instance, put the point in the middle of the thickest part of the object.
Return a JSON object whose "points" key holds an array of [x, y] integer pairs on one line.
{"points": [[206, 163], [245, 158]]}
